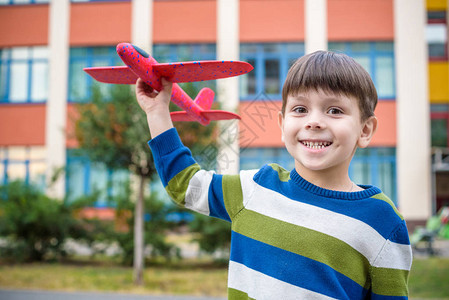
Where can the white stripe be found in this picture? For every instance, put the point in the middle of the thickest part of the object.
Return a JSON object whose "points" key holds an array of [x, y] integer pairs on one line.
{"points": [[197, 192], [260, 286], [393, 254], [355, 233]]}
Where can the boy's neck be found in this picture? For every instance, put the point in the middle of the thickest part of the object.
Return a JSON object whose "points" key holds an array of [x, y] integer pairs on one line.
{"points": [[329, 179]]}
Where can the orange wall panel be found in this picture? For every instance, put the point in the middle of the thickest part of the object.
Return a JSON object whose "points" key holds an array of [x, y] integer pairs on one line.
{"points": [[23, 25], [22, 124], [259, 124], [271, 20], [185, 21], [360, 20], [100, 23]]}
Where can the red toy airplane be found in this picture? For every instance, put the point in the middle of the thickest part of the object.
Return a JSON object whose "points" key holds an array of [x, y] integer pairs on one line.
{"points": [[141, 64]]}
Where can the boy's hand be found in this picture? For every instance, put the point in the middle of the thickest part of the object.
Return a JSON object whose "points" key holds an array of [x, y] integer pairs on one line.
{"points": [[155, 105], [149, 99]]}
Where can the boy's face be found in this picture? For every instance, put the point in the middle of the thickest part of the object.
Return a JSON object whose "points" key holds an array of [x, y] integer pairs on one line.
{"points": [[322, 131]]}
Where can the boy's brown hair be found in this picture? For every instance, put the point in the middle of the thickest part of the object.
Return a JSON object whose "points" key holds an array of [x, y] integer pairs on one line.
{"points": [[333, 73]]}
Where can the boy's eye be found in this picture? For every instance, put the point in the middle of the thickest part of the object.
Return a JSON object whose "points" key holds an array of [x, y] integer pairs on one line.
{"points": [[300, 110], [335, 111]]}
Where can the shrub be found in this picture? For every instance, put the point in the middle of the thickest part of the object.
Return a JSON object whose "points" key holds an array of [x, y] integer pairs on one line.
{"points": [[34, 226]]}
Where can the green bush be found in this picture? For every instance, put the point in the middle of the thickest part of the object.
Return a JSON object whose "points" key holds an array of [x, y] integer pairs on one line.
{"points": [[33, 226]]}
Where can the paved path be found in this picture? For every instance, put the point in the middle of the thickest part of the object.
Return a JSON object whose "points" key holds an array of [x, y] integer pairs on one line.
{"points": [[46, 295]]}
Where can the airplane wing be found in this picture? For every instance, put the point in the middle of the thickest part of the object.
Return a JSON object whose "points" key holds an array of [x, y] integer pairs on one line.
{"points": [[201, 70], [213, 115], [116, 75]]}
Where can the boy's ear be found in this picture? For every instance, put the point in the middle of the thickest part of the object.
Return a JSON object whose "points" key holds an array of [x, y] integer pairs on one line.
{"points": [[281, 124], [368, 130]]}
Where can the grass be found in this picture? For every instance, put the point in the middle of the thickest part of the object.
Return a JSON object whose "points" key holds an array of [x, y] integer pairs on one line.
{"points": [[428, 279], [189, 278]]}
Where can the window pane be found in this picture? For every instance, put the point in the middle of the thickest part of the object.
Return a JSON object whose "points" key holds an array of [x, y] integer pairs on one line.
{"points": [[78, 81], [39, 81], [248, 48], [365, 62], [360, 47], [384, 76], [19, 53], [384, 46], [75, 180], [272, 74], [437, 50], [3, 79], [99, 181], [18, 87], [40, 53], [271, 48], [439, 132], [295, 48], [337, 47], [16, 171], [436, 33], [37, 174], [248, 81]]}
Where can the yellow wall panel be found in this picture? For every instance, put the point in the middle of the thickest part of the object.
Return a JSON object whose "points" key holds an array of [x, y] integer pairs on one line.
{"points": [[436, 4], [439, 82]]}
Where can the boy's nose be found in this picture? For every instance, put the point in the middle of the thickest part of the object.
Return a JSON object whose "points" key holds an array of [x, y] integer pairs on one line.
{"points": [[313, 125]]}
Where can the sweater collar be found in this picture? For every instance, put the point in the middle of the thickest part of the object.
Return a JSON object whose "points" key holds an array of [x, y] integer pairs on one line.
{"points": [[368, 191]]}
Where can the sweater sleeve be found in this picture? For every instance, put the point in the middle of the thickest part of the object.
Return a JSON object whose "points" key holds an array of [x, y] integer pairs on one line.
{"points": [[390, 270], [186, 183]]}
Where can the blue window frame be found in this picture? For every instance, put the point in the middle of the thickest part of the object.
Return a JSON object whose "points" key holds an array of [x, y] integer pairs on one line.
{"points": [[80, 84], [271, 62], [84, 177], [21, 2], [165, 53], [23, 75], [23, 163], [377, 58]]}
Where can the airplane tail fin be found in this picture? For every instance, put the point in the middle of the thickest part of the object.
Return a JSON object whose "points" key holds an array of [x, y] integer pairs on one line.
{"points": [[205, 98]]}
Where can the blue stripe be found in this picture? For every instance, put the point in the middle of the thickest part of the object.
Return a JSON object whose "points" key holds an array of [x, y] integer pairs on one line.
{"points": [[383, 297], [216, 203], [293, 268], [366, 209], [169, 154]]}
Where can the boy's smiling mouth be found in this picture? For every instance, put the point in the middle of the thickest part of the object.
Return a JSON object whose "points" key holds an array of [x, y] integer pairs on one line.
{"points": [[316, 144]]}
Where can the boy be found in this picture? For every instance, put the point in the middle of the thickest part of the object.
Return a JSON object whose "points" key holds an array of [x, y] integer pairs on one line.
{"points": [[310, 233]]}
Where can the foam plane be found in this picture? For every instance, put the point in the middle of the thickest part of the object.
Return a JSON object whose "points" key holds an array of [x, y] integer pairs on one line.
{"points": [[141, 64]]}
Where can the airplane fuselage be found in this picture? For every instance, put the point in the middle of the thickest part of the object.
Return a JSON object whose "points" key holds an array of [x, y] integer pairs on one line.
{"points": [[142, 63]]}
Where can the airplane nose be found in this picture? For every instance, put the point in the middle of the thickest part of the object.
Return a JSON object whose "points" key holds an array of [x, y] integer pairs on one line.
{"points": [[121, 48]]}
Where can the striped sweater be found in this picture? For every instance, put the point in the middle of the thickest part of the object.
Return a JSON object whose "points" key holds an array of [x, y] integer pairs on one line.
{"points": [[291, 239]]}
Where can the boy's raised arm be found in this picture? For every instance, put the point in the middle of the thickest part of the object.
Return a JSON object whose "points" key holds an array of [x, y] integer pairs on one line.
{"points": [[155, 105]]}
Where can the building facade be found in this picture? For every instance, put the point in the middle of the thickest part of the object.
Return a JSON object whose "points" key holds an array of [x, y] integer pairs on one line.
{"points": [[44, 45]]}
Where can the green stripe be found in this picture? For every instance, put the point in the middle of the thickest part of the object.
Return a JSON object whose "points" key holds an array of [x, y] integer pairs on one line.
{"points": [[232, 194], [177, 186], [284, 175], [389, 282], [303, 241], [384, 197], [237, 295]]}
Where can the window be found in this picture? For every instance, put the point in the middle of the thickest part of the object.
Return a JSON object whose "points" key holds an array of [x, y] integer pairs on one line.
{"points": [[375, 166], [436, 35], [23, 74], [271, 62], [23, 163], [439, 125], [80, 83], [165, 53], [255, 158], [11, 2], [377, 58], [84, 177]]}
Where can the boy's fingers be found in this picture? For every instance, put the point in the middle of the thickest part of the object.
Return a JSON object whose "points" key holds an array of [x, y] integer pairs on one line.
{"points": [[166, 85]]}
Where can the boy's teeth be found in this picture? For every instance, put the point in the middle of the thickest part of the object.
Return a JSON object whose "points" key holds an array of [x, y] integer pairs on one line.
{"points": [[316, 145]]}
